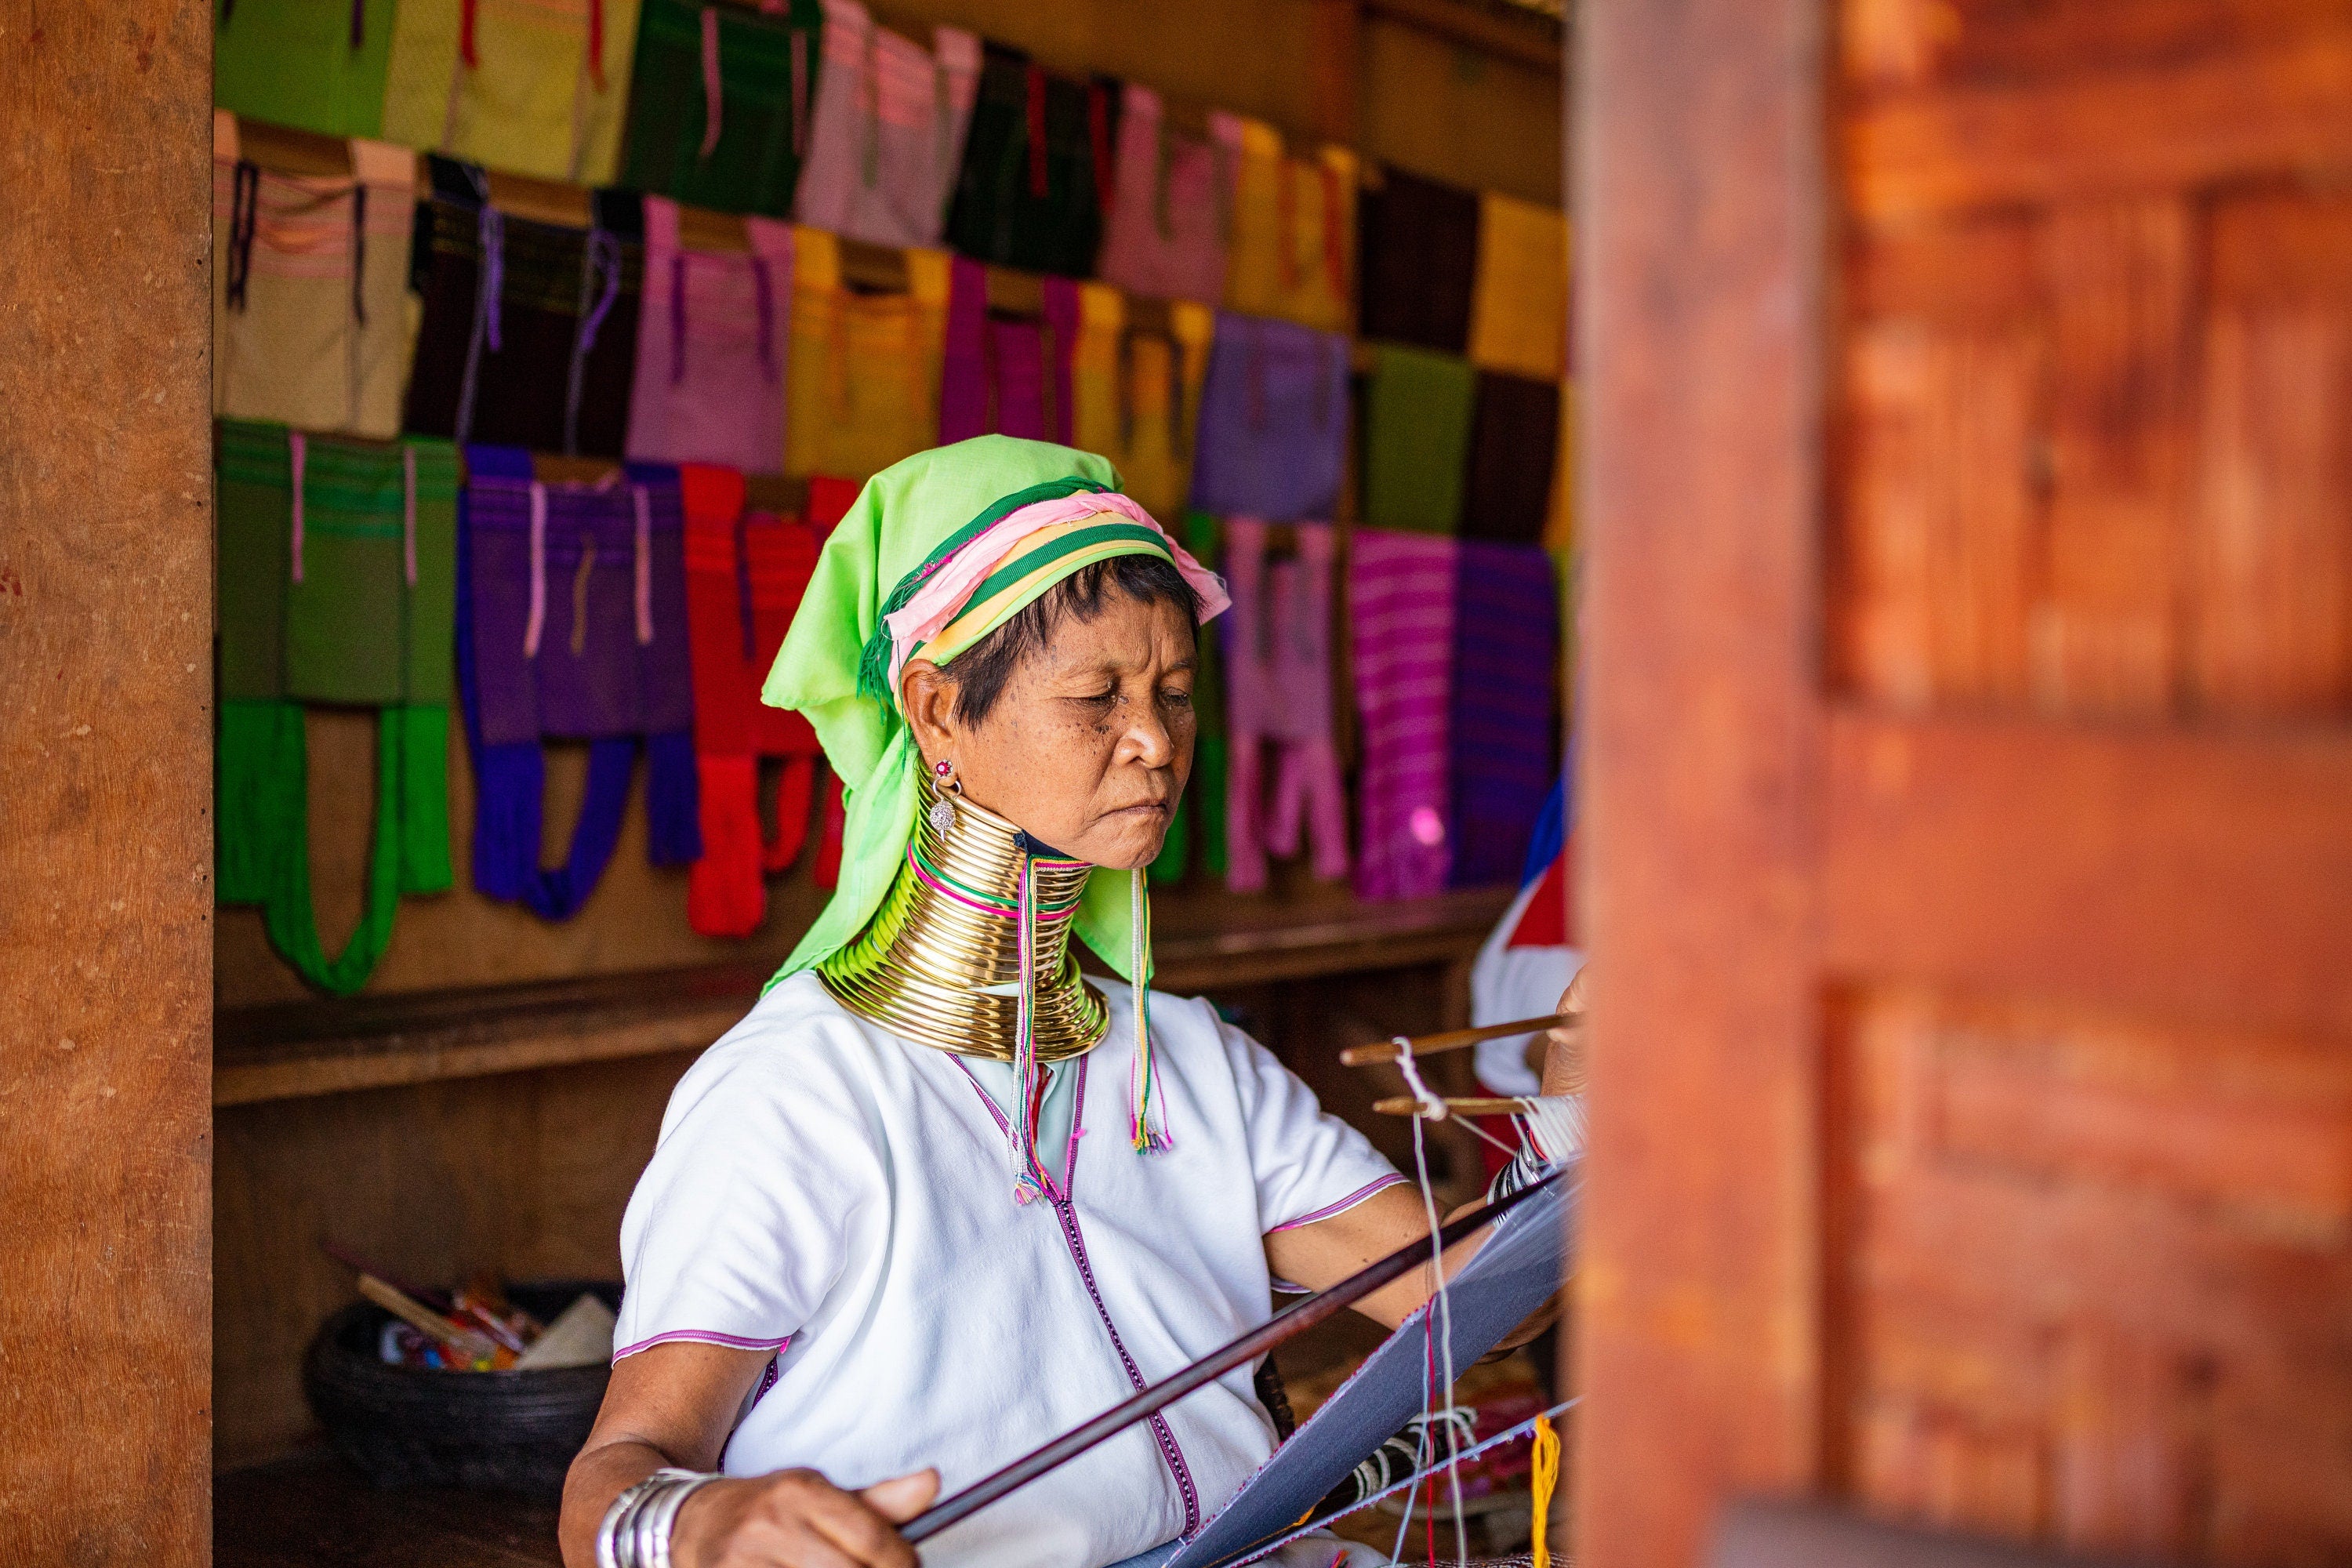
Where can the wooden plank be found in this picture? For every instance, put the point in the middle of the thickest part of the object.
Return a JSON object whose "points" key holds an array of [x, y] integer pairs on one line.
{"points": [[284, 1051], [106, 747], [317, 1513], [1520, 36], [2209, 873], [1700, 219], [2107, 636], [2257, 112]]}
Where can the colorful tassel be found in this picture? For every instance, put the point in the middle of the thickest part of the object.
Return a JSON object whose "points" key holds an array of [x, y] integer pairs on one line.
{"points": [[1028, 1180], [1545, 1480], [1143, 1074]]}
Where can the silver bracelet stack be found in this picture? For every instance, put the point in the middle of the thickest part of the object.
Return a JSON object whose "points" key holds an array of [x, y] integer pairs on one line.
{"points": [[635, 1532]]}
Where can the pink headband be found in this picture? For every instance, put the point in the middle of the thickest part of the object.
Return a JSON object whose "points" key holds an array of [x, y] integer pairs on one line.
{"points": [[943, 597]]}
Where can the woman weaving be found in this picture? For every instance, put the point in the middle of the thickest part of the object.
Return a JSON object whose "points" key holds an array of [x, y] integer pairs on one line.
{"points": [[936, 1200]]}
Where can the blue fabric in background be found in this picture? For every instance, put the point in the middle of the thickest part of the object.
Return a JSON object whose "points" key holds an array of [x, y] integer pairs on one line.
{"points": [[1551, 830], [1503, 760]]}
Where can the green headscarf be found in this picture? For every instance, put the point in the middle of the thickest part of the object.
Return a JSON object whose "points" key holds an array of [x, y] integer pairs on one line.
{"points": [[900, 520]]}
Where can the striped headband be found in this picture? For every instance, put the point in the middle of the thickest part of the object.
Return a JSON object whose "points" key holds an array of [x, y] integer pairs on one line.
{"points": [[1002, 562]]}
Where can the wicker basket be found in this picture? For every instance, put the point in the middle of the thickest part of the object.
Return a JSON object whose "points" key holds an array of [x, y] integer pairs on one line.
{"points": [[505, 1431]]}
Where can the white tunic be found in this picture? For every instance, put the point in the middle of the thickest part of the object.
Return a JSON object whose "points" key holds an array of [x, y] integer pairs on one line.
{"points": [[829, 1189]]}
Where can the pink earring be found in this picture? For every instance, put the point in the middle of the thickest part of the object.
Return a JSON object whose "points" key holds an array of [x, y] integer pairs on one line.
{"points": [[942, 767]]}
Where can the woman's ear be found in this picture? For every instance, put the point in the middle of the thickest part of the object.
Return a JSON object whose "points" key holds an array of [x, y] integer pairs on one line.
{"points": [[929, 698]]}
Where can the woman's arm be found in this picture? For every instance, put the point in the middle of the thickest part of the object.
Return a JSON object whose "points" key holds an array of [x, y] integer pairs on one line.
{"points": [[1321, 1255], [675, 1405]]}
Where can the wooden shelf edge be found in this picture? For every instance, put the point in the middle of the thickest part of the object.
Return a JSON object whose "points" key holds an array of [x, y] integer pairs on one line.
{"points": [[303, 1050], [429, 1061]]}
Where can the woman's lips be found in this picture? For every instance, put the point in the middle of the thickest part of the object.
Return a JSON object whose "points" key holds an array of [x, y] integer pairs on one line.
{"points": [[1155, 807]]}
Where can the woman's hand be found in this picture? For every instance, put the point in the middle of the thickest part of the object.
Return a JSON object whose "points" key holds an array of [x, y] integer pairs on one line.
{"points": [[1563, 1044], [797, 1518], [674, 1403]]}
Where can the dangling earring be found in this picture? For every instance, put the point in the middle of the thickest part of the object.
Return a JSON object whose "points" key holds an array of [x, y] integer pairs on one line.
{"points": [[942, 812]]}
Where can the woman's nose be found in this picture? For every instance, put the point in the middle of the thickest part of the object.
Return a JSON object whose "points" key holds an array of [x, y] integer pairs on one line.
{"points": [[1148, 740]]}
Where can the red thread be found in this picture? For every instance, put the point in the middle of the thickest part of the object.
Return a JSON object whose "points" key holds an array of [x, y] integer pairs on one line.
{"points": [[1037, 182], [596, 43], [466, 35]]}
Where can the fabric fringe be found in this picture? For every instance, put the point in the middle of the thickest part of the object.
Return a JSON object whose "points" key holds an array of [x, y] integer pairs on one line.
{"points": [[1147, 1136], [1028, 1180]]}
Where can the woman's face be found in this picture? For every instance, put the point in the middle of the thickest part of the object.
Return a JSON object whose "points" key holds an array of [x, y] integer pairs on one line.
{"points": [[1090, 741]]}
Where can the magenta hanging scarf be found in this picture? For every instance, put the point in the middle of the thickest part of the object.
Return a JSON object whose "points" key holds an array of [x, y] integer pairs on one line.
{"points": [[1006, 376]]}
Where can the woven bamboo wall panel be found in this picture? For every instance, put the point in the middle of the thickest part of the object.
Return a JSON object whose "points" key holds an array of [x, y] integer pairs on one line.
{"points": [[2095, 1276], [2096, 421]]}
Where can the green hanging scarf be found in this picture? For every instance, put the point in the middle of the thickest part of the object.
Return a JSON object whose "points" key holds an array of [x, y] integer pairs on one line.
{"points": [[1201, 815], [363, 618]]}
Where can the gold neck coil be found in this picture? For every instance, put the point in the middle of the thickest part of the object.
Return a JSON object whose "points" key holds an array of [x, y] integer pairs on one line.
{"points": [[940, 961]]}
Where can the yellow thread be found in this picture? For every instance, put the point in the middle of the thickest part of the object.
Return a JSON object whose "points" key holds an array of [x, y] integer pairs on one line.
{"points": [[1546, 1478]]}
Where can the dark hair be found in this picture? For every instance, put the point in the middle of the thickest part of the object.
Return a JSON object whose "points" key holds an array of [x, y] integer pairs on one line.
{"points": [[983, 670]]}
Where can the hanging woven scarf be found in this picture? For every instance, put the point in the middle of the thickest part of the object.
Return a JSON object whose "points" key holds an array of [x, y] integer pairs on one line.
{"points": [[571, 624], [336, 564]]}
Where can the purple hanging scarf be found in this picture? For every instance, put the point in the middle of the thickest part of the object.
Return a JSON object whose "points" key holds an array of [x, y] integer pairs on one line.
{"points": [[572, 624]]}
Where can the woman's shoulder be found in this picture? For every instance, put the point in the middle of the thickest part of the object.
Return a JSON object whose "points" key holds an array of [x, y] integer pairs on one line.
{"points": [[797, 1053]]}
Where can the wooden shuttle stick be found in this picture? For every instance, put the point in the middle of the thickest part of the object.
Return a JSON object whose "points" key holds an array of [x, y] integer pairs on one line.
{"points": [[1467, 1105], [1451, 1040]]}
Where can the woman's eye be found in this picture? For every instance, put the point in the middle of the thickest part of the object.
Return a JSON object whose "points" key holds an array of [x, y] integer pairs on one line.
{"points": [[1176, 699]]}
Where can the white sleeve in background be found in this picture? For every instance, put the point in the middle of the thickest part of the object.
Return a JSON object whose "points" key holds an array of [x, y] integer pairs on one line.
{"points": [[1507, 983], [1308, 1164]]}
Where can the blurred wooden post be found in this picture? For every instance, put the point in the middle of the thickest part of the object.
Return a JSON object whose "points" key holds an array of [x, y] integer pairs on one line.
{"points": [[1699, 224], [1969, 767], [106, 771]]}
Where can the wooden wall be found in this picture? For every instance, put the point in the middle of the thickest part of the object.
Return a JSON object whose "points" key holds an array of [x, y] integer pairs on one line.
{"points": [[1970, 483], [105, 749]]}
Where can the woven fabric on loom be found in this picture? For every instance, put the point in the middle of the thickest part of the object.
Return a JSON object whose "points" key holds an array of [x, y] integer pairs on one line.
{"points": [[532, 87], [1164, 235], [1420, 262], [304, 63], [863, 371], [1518, 319], [722, 103], [1401, 607], [1502, 758], [711, 339], [1030, 191], [888, 135], [1271, 437], [529, 330], [1507, 492], [1136, 394], [1417, 439], [310, 289]]}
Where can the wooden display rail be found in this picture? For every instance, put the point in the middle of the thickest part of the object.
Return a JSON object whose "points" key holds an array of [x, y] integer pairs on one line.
{"points": [[1204, 942]]}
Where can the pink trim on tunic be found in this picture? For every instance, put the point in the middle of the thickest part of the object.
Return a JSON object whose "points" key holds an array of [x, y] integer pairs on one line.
{"points": [[705, 1337], [1343, 1205]]}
